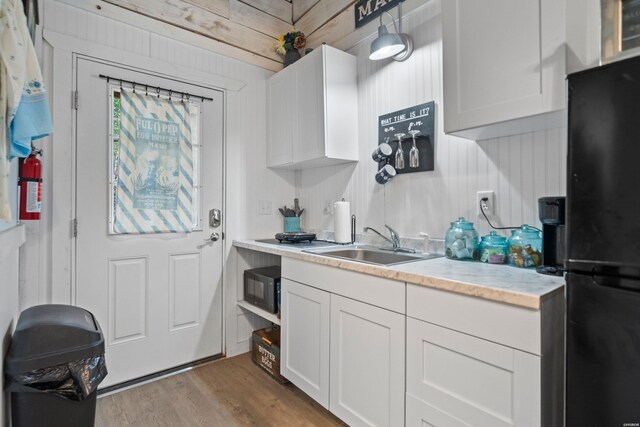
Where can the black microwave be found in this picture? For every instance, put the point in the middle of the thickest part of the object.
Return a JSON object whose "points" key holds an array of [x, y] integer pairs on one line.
{"points": [[262, 288]]}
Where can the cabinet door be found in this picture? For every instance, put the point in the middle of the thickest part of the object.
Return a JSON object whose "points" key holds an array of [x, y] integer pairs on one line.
{"points": [[309, 138], [502, 58], [454, 376], [305, 339], [367, 364], [280, 105]]}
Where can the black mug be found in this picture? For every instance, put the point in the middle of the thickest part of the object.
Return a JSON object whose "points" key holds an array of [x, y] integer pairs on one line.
{"points": [[385, 174], [381, 153]]}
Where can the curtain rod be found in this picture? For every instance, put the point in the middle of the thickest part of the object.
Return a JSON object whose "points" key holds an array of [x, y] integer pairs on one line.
{"points": [[157, 89]]}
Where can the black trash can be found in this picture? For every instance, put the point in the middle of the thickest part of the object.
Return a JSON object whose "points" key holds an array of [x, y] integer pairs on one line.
{"points": [[53, 367]]}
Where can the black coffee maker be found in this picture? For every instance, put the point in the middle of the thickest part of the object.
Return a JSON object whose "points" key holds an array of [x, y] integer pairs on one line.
{"points": [[551, 211]]}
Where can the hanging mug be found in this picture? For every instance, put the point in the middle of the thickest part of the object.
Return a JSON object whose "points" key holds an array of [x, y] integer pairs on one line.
{"points": [[381, 153], [385, 174]]}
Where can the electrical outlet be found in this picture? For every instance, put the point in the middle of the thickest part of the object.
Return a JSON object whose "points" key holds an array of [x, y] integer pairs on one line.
{"points": [[487, 205], [264, 207]]}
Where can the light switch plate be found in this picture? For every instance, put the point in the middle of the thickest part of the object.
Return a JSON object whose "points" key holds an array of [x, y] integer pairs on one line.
{"points": [[264, 207]]}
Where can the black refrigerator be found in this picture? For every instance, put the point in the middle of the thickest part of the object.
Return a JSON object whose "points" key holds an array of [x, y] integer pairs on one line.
{"points": [[603, 247]]}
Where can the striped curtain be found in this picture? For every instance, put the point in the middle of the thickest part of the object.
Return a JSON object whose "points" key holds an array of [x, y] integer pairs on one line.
{"points": [[155, 169]]}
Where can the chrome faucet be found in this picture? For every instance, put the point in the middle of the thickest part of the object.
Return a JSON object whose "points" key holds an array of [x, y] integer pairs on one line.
{"points": [[394, 240]]}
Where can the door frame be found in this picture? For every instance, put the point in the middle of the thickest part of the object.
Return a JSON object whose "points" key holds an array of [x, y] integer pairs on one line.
{"points": [[64, 52]]}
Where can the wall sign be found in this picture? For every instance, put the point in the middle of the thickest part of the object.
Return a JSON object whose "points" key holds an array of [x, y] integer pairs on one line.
{"points": [[402, 125], [368, 10], [619, 29]]}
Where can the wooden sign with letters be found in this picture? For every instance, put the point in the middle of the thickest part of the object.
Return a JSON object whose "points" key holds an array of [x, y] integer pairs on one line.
{"points": [[368, 10]]}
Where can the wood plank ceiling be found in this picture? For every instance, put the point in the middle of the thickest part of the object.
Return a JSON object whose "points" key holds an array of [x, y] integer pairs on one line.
{"points": [[252, 25]]}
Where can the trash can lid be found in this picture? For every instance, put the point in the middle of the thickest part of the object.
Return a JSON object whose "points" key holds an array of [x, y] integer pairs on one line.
{"points": [[52, 334]]}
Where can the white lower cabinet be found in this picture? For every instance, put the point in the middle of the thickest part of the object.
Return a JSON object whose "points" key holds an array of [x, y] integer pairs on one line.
{"points": [[455, 379], [367, 364], [476, 362], [376, 352], [347, 354], [305, 339]]}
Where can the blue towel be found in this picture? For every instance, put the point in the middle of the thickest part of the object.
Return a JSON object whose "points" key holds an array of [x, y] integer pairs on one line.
{"points": [[32, 121]]}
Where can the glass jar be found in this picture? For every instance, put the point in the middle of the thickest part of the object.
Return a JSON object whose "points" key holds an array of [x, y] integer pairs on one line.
{"points": [[461, 241], [493, 248], [525, 247]]}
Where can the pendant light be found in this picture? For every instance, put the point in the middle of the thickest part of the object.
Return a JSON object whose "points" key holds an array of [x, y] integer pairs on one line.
{"points": [[396, 45]]}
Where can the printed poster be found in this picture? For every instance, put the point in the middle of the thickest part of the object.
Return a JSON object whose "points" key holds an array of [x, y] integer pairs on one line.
{"points": [[155, 170], [155, 177]]}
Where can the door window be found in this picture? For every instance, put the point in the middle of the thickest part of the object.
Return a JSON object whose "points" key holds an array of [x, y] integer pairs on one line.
{"points": [[155, 169]]}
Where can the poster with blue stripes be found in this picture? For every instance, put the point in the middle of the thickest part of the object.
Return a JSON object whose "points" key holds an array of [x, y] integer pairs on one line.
{"points": [[155, 170]]}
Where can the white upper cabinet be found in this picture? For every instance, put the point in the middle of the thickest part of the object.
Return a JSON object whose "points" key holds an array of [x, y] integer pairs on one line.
{"points": [[504, 66], [312, 109], [279, 101]]}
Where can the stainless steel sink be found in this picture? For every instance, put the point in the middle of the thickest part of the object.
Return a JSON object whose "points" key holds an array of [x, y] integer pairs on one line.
{"points": [[370, 255]]}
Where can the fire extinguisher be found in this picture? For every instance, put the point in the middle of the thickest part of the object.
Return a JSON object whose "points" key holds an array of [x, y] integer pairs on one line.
{"points": [[30, 183]]}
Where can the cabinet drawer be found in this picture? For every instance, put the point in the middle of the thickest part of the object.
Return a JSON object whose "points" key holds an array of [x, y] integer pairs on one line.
{"points": [[373, 290], [421, 414], [480, 382], [506, 324]]}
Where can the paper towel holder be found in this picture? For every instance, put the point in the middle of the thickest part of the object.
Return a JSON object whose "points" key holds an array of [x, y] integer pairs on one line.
{"points": [[353, 229], [342, 222]]}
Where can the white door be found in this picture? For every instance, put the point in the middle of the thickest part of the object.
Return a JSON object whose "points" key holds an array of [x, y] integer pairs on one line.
{"points": [[305, 339], [157, 297], [367, 364]]}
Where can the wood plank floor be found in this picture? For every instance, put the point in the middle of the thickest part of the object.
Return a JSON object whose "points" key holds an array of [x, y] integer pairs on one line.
{"points": [[228, 392]]}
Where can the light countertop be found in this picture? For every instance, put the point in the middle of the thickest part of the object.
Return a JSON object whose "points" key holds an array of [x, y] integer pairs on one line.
{"points": [[502, 283]]}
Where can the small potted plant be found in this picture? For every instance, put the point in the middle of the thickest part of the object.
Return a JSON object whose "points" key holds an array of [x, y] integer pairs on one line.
{"points": [[289, 45]]}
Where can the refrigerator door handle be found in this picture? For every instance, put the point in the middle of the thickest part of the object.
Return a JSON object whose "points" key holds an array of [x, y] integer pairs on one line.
{"points": [[632, 285]]}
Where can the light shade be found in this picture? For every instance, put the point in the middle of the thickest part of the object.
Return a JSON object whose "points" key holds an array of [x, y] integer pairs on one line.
{"points": [[398, 45], [386, 45]]}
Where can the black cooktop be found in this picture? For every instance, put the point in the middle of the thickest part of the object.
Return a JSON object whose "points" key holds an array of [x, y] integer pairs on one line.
{"points": [[302, 245], [295, 237]]}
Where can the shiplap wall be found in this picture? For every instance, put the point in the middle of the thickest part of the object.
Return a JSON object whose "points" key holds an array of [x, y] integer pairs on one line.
{"points": [[519, 168], [248, 180]]}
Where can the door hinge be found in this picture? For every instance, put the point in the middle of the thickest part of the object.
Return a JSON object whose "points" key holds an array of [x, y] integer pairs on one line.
{"points": [[75, 100], [74, 227]]}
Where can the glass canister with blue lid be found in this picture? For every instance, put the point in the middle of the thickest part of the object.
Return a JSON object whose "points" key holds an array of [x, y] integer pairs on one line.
{"points": [[493, 248], [461, 241], [525, 247]]}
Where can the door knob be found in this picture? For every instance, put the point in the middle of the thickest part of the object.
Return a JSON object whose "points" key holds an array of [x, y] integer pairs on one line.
{"points": [[213, 238]]}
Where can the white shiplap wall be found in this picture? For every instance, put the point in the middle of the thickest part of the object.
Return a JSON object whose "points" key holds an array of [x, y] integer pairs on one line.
{"points": [[248, 179], [519, 168], [10, 242]]}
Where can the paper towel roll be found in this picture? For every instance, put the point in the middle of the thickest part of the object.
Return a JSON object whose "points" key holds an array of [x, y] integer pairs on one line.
{"points": [[342, 222]]}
